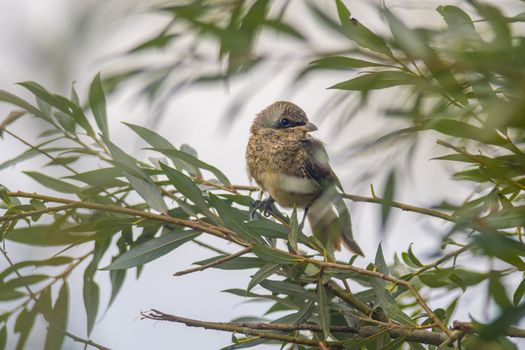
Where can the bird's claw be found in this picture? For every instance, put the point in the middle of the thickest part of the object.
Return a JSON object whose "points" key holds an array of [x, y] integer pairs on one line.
{"points": [[266, 206]]}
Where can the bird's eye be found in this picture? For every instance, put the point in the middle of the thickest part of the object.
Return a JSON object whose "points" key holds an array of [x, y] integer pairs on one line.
{"points": [[284, 122]]}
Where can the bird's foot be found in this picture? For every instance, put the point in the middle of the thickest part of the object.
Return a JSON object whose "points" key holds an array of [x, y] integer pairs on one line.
{"points": [[266, 206]]}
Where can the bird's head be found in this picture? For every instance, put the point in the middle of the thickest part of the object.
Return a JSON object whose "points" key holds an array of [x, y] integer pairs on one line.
{"points": [[282, 115]]}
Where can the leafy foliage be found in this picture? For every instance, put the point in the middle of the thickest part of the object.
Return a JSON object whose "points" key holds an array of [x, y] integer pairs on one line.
{"points": [[464, 87]]}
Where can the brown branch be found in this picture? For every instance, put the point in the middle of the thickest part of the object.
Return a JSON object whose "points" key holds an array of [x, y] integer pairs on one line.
{"points": [[214, 263], [256, 329], [349, 298], [389, 278], [442, 260], [229, 327], [38, 212], [80, 340], [220, 232]]}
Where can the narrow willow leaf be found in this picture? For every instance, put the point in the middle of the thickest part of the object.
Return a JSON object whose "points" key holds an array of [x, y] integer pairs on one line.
{"points": [[186, 157], [23, 281], [58, 320], [409, 40], [11, 118], [97, 102], [151, 137], [3, 337], [275, 256], [294, 231], [52, 183], [151, 250], [376, 81], [91, 294], [24, 324], [341, 62], [185, 186], [229, 215], [358, 33], [17, 101], [518, 294], [263, 273], [286, 288], [324, 309], [44, 235], [239, 263], [388, 198], [55, 261], [384, 298], [101, 178], [6, 295], [149, 192], [117, 278]]}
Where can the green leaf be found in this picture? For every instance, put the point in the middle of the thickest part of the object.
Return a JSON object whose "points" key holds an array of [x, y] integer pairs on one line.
{"points": [[376, 80], [150, 250], [384, 298], [358, 33], [412, 43], [55, 261], [464, 130], [275, 256], [23, 281], [44, 235], [498, 293], [100, 178], [262, 274], [186, 157], [149, 192], [239, 263], [185, 186], [151, 137], [117, 278], [518, 294], [17, 101], [97, 102], [52, 183], [24, 324], [324, 309], [294, 231], [284, 287], [3, 337], [388, 197], [91, 294], [6, 295], [58, 320], [341, 62], [232, 220]]}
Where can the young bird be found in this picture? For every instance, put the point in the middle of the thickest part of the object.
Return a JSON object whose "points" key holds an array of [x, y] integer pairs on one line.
{"points": [[293, 168]]}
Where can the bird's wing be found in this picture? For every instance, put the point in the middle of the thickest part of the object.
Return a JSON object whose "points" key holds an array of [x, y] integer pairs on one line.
{"points": [[317, 168]]}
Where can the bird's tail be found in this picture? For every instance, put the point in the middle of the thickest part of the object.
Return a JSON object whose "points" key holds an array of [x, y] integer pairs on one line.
{"points": [[330, 222]]}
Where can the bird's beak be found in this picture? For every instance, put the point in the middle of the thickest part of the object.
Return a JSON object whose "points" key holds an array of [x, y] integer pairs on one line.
{"points": [[309, 127]]}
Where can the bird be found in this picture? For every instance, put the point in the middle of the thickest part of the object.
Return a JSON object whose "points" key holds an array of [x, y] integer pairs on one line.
{"points": [[293, 168]]}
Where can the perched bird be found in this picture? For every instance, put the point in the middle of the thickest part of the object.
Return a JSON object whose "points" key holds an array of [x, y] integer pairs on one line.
{"points": [[293, 168]]}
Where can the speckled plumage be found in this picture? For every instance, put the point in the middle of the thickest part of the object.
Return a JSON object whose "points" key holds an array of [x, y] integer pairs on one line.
{"points": [[293, 168]]}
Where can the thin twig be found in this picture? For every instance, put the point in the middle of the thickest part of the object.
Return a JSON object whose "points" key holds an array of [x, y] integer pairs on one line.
{"points": [[260, 329], [49, 210], [442, 260], [78, 339], [194, 224], [214, 263]]}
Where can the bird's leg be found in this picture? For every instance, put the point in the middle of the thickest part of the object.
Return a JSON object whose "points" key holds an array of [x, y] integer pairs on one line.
{"points": [[266, 206]]}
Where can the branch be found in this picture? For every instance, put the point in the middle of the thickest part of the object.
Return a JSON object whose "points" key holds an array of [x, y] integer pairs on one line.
{"points": [[410, 286], [232, 327], [214, 263], [248, 328], [80, 340], [26, 214], [217, 231]]}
